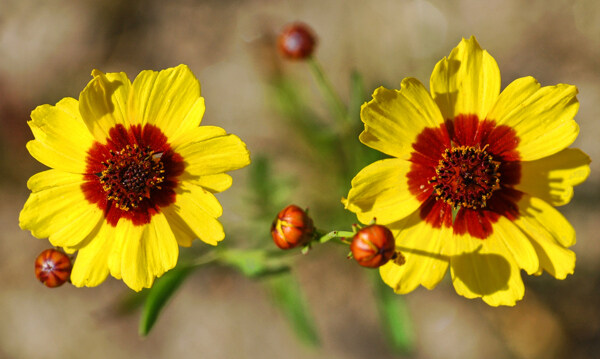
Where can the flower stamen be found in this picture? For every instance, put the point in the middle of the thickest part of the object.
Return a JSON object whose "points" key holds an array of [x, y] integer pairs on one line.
{"points": [[466, 176], [131, 174]]}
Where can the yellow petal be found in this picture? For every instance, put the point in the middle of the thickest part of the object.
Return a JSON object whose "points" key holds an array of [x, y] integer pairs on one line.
{"points": [[394, 118], [199, 209], [214, 155], [215, 183], [517, 244], [461, 244], [169, 99], [546, 217], [421, 246], [58, 209], [380, 191], [148, 251], [541, 116], [555, 259], [183, 233], [197, 134], [123, 231], [490, 273], [61, 137], [552, 178], [103, 103], [91, 265], [467, 82]]}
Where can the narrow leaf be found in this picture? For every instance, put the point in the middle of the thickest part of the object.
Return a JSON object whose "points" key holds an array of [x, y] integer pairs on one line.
{"points": [[394, 317], [159, 295], [287, 295], [254, 263]]}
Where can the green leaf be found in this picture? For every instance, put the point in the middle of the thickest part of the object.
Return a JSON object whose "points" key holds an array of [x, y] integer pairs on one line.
{"points": [[287, 295], [394, 317], [253, 263], [159, 295]]}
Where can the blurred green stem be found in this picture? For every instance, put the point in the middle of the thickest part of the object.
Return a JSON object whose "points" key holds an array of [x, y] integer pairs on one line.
{"points": [[340, 112], [332, 98]]}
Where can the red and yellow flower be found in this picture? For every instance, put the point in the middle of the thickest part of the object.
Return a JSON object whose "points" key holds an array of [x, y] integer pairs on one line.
{"points": [[474, 177], [132, 175]]}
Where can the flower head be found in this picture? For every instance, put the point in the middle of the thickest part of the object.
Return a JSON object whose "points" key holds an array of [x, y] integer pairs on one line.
{"points": [[473, 177], [132, 175]]}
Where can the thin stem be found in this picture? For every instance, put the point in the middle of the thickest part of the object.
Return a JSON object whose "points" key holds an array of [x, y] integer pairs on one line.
{"points": [[336, 234], [340, 112], [332, 98]]}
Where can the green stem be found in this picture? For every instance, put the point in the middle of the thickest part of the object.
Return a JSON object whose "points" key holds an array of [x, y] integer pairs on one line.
{"points": [[332, 98], [336, 234], [340, 112]]}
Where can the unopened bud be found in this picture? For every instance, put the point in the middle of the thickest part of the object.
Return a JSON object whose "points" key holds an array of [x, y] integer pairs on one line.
{"points": [[296, 41], [292, 227], [53, 268], [373, 246]]}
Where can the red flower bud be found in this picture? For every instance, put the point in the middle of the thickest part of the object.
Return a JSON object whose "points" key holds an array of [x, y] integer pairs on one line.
{"points": [[53, 268], [373, 246], [292, 227], [296, 41]]}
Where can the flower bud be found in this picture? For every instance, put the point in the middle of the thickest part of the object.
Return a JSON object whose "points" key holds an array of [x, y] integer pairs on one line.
{"points": [[53, 268], [292, 227], [373, 246], [296, 41]]}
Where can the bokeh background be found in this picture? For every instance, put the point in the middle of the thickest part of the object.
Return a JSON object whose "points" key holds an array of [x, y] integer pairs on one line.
{"points": [[47, 51]]}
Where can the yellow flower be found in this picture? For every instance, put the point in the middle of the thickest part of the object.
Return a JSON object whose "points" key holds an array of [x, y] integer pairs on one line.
{"points": [[474, 177], [132, 175]]}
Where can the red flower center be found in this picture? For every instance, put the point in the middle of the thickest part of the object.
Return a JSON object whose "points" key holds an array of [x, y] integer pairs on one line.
{"points": [[455, 173], [130, 175], [133, 174], [466, 177]]}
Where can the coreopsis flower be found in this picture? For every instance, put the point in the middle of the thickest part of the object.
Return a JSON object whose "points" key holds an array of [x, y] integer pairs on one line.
{"points": [[132, 175], [474, 177]]}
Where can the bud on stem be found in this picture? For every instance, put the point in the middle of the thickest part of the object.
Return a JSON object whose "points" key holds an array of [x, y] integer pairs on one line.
{"points": [[292, 227], [296, 41], [373, 246]]}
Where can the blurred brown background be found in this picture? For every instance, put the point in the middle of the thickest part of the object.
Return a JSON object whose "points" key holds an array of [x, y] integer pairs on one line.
{"points": [[47, 51]]}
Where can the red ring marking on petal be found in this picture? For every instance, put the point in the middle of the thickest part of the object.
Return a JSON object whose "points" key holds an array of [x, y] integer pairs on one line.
{"points": [[466, 130], [436, 213], [429, 147]]}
